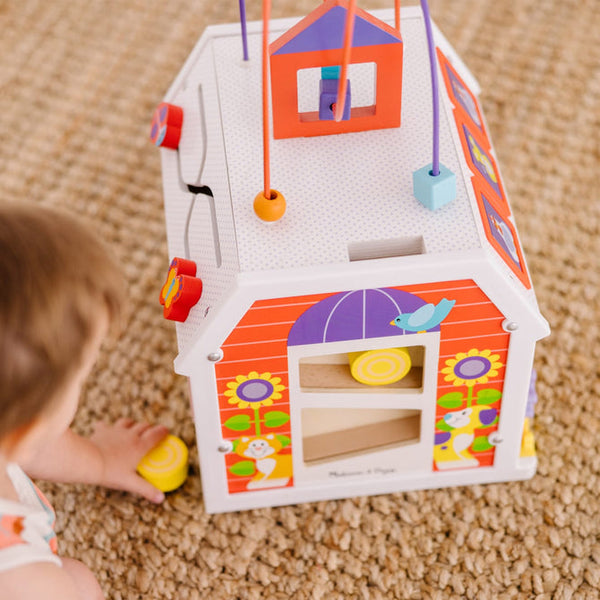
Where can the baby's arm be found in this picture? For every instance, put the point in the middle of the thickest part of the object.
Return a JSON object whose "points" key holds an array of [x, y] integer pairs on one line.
{"points": [[39, 580], [109, 457]]}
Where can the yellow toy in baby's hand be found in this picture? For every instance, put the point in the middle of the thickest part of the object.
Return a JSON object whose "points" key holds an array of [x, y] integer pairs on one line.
{"points": [[166, 465]]}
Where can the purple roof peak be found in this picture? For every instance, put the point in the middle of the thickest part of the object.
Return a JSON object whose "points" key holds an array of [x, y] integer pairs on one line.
{"points": [[327, 33]]}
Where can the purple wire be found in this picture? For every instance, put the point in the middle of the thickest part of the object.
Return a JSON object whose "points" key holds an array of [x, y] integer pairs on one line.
{"points": [[435, 169], [243, 23]]}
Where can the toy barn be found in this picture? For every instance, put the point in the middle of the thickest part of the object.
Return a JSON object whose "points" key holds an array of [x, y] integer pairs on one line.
{"points": [[377, 334]]}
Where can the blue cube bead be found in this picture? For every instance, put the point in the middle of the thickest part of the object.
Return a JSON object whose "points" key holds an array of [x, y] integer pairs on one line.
{"points": [[433, 192]]}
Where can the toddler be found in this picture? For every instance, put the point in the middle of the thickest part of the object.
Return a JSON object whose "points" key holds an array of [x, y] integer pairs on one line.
{"points": [[60, 295]]}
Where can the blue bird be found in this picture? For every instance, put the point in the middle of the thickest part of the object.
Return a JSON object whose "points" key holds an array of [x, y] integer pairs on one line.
{"points": [[426, 317]]}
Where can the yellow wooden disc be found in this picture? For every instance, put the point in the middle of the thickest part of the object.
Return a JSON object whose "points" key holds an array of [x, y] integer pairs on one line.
{"points": [[379, 367], [166, 465], [528, 440]]}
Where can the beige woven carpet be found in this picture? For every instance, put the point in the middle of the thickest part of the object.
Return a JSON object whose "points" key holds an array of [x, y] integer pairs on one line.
{"points": [[79, 80]]}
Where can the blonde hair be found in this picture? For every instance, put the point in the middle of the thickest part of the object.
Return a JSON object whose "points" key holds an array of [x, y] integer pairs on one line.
{"points": [[57, 282]]}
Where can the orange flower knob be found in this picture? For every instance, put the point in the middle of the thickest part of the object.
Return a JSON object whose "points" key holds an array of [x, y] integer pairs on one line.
{"points": [[181, 291], [167, 122]]}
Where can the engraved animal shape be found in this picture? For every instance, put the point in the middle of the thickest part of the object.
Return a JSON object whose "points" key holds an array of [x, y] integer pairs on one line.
{"points": [[272, 469], [451, 450], [505, 233], [483, 160]]}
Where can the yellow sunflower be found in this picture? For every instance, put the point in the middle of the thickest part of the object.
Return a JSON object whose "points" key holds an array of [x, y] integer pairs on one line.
{"points": [[472, 367], [254, 390]]}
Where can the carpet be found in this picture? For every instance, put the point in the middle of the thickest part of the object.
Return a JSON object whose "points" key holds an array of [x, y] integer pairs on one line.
{"points": [[78, 84]]}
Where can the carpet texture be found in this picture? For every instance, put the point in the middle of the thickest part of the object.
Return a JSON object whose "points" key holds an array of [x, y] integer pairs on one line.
{"points": [[78, 84]]}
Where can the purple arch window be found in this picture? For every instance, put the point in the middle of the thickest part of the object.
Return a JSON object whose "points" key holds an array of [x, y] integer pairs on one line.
{"points": [[354, 315]]}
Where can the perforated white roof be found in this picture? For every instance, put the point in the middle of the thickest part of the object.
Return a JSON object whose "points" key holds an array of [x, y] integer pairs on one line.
{"points": [[341, 190]]}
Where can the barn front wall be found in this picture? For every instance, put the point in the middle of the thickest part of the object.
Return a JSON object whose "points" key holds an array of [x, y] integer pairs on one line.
{"points": [[257, 406]]}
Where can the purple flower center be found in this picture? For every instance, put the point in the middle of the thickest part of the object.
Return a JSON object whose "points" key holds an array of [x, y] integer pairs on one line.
{"points": [[472, 367], [254, 390]]}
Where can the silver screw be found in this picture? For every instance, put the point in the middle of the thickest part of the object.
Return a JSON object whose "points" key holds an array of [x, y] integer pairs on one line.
{"points": [[225, 446], [495, 439], [215, 356], [510, 325]]}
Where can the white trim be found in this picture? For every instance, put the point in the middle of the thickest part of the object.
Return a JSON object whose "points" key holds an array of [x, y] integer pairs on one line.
{"points": [[342, 488]]}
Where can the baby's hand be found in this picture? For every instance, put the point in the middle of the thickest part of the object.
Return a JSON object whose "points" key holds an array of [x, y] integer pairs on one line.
{"points": [[122, 446]]}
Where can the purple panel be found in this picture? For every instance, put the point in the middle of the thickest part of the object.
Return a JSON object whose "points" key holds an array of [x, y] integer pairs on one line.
{"points": [[355, 315], [482, 162], [501, 232], [464, 97], [327, 33], [532, 396]]}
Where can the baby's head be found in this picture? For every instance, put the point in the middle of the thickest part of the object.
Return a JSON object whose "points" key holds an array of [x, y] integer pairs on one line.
{"points": [[59, 289]]}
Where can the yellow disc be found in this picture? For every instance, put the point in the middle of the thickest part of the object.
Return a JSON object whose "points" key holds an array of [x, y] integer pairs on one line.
{"points": [[166, 465], [379, 367], [528, 440]]}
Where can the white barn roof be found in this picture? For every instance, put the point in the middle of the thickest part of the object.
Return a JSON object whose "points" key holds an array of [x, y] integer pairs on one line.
{"points": [[345, 193]]}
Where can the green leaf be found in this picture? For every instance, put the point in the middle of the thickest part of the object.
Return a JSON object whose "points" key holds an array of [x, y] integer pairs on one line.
{"points": [[276, 418], [243, 468], [284, 439], [238, 423], [488, 396], [443, 426], [481, 444], [451, 400]]}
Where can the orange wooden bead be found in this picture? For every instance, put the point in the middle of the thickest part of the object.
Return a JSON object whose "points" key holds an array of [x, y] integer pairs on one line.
{"points": [[269, 209]]}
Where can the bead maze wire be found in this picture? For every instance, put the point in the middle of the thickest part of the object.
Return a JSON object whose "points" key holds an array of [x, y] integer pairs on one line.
{"points": [[242, 4], [435, 169], [343, 81], [266, 9]]}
